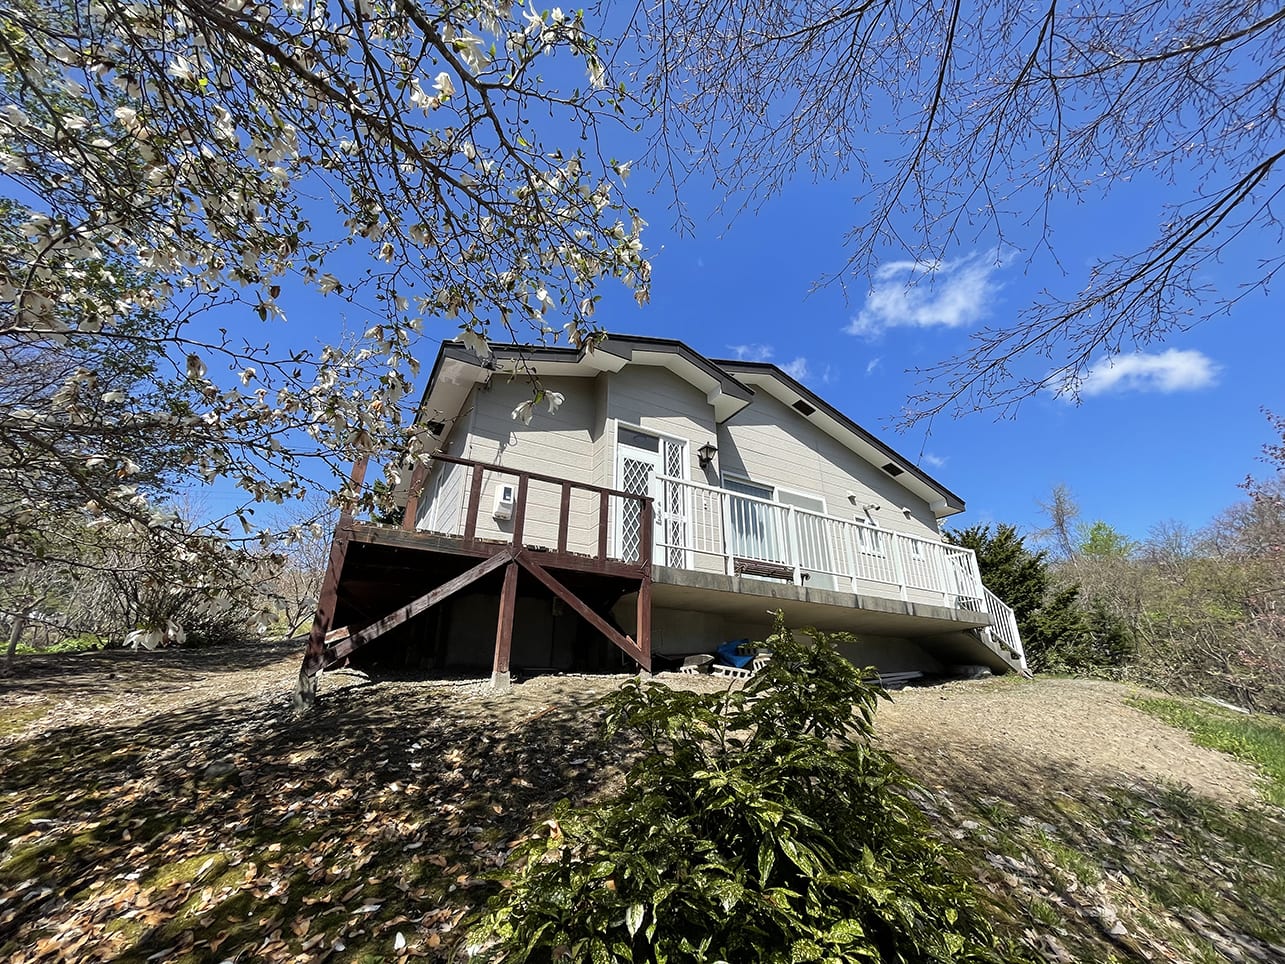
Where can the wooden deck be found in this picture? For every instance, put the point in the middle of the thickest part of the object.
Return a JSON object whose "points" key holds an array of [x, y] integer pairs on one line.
{"points": [[328, 646]]}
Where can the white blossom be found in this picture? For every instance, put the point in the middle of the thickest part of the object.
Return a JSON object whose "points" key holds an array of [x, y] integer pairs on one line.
{"points": [[157, 142], [524, 412], [476, 343], [181, 69]]}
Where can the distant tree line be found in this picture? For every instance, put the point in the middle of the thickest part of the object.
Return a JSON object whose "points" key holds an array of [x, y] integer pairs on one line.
{"points": [[1189, 611]]}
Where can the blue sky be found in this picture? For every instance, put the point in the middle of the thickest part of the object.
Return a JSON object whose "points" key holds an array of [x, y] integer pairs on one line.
{"points": [[1166, 434], [1163, 435]]}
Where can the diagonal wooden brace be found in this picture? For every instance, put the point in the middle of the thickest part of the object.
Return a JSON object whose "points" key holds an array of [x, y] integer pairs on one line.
{"points": [[371, 632], [575, 602]]}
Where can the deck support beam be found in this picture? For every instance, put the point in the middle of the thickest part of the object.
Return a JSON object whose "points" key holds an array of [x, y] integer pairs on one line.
{"points": [[327, 646], [646, 550], [315, 654], [504, 628], [368, 634], [644, 621], [350, 642]]}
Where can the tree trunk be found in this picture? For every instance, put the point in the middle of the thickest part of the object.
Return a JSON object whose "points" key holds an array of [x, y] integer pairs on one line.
{"points": [[15, 634]]}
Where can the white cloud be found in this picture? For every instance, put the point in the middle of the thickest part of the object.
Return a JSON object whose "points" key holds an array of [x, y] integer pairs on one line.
{"points": [[1167, 371], [751, 352], [928, 294], [933, 461], [797, 369], [872, 364], [801, 371]]}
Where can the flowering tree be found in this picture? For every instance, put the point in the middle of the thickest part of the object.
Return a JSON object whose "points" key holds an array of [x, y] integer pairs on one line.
{"points": [[166, 160], [1005, 115]]}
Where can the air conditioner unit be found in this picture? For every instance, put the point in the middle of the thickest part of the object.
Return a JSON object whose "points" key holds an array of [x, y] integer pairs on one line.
{"points": [[505, 496]]}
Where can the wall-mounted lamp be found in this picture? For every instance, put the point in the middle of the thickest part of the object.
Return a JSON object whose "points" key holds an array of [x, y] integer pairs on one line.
{"points": [[706, 454]]}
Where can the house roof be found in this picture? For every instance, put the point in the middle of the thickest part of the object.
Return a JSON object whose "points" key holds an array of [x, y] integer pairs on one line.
{"points": [[729, 386], [457, 369]]}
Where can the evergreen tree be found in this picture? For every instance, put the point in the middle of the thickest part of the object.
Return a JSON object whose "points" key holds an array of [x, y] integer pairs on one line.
{"points": [[1057, 632]]}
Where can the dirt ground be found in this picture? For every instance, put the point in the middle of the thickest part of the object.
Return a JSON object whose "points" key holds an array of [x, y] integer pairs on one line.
{"points": [[1046, 732], [173, 806], [1036, 732]]}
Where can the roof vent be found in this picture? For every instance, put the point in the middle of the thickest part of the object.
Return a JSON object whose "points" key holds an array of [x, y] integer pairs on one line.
{"points": [[803, 407], [893, 470], [436, 428]]}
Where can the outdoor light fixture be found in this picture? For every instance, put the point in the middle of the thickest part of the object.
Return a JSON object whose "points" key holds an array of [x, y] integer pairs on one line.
{"points": [[706, 454]]}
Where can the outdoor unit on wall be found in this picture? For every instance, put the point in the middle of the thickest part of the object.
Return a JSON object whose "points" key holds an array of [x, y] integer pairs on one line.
{"points": [[505, 495]]}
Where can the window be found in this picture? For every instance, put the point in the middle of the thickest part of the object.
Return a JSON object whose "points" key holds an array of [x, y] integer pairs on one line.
{"points": [[746, 487], [638, 440], [755, 529], [772, 533]]}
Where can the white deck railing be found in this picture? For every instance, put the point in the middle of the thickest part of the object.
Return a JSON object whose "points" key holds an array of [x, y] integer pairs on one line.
{"points": [[703, 527], [1004, 625]]}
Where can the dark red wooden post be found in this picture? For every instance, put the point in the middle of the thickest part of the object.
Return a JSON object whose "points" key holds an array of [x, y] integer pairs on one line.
{"points": [[314, 656], [504, 626], [564, 516], [355, 481], [412, 498], [602, 525], [519, 511], [474, 500]]}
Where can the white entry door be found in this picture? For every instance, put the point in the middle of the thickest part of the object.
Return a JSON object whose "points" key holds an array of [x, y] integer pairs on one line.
{"points": [[641, 460], [638, 467]]}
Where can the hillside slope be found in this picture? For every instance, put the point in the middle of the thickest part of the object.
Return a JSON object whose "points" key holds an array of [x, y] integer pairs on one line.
{"points": [[171, 806]]}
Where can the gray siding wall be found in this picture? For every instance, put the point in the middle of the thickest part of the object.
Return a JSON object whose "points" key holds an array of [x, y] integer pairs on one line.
{"points": [[771, 443], [768, 442], [656, 400], [441, 508], [564, 445], [602, 471]]}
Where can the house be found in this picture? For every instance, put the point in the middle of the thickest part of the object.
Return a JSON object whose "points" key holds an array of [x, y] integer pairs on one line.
{"points": [[668, 505]]}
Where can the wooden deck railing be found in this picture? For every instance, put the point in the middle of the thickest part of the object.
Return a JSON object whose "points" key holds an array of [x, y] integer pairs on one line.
{"points": [[702, 527], [513, 553], [607, 504]]}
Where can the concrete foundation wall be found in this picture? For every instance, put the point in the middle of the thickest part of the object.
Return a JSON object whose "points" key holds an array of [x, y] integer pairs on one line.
{"points": [[677, 633]]}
